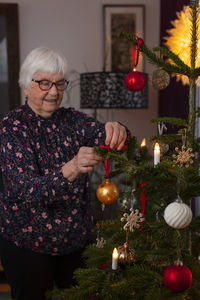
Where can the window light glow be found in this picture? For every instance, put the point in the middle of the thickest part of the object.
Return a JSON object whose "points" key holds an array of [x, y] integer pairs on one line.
{"points": [[179, 39]]}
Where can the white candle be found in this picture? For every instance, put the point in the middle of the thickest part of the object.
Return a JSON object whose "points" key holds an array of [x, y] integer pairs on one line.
{"points": [[156, 154], [114, 259]]}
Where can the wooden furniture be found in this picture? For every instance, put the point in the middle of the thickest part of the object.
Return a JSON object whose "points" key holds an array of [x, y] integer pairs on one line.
{"points": [[4, 287]]}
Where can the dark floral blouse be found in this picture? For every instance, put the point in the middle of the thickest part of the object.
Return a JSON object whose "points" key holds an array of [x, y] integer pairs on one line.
{"points": [[40, 210]]}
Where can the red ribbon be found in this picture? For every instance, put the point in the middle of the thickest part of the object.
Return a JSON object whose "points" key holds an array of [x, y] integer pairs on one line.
{"points": [[143, 199], [107, 166], [136, 52]]}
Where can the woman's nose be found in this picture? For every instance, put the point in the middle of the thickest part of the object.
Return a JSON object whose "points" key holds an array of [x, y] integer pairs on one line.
{"points": [[53, 90]]}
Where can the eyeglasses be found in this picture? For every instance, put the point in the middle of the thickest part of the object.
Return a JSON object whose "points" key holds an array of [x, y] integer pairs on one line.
{"points": [[46, 85]]}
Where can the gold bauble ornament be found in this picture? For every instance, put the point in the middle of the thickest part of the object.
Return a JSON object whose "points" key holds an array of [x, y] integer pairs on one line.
{"points": [[126, 255], [160, 79], [107, 192]]}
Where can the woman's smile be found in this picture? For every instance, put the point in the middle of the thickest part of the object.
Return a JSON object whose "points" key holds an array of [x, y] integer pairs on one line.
{"points": [[51, 100]]}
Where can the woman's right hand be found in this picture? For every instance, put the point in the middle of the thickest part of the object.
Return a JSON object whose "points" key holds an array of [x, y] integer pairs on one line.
{"points": [[83, 162]]}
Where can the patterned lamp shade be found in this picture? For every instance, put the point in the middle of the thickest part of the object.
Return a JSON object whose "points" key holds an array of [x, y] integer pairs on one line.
{"points": [[107, 90]]}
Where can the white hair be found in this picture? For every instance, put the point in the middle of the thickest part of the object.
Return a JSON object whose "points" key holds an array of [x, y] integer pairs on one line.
{"points": [[42, 60]]}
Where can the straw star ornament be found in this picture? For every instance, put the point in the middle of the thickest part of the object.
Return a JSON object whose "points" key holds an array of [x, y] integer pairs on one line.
{"points": [[132, 220]]}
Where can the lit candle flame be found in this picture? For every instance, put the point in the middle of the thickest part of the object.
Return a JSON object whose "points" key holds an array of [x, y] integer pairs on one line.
{"points": [[115, 253], [114, 259], [156, 154], [143, 144], [157, 147]]}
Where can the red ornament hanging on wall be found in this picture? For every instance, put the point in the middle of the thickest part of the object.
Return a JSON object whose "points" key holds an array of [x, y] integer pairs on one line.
{"points": [[135, 81], [177, 277]]}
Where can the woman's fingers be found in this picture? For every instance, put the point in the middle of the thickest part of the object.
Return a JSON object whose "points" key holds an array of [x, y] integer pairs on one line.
{"points": [[115, 135], [86, 159]]}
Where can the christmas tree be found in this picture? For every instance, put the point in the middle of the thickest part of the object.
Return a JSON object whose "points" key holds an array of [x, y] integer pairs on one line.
{"points": [[156, 238]]}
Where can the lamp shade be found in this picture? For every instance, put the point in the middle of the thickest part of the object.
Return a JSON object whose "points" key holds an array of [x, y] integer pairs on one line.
{"points": [[107, 90]]}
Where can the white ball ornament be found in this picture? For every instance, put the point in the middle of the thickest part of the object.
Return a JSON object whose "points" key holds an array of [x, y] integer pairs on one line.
{"points": [[178, 214]]}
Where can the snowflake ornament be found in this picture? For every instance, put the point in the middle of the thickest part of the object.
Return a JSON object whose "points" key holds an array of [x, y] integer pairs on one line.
{"points": [[184, 157], [100, 242], [132, 220]]}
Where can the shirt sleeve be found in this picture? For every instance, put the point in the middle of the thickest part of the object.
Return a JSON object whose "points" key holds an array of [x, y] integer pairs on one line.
{"points": [[21, 177], [92, 131]]}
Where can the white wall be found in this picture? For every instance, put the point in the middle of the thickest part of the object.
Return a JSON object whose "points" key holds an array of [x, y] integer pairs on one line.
{"points": [[76, 28]]}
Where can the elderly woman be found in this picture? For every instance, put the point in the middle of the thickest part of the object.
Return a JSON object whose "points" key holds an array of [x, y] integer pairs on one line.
{"points": [[46, 155]]}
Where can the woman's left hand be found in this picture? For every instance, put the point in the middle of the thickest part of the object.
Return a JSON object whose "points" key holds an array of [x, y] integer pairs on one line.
{"points": [[115, 135]]}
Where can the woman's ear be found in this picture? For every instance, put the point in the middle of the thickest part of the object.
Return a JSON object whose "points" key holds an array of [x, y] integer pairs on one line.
{"points": [[26, 92]]}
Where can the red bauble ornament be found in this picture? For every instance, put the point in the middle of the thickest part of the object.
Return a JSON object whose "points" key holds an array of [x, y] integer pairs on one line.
{"points": [[104, 267], [177, 278], [135, 81]]}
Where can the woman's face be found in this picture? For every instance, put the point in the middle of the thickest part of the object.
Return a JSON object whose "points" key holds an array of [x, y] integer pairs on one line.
{"points": [[44, 103]]}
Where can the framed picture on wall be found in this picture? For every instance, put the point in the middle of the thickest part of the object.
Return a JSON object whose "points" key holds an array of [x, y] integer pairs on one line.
{"points": [[118, 53], [9, 57]]}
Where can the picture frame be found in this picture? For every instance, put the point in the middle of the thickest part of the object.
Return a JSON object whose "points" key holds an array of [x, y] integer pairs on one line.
{"points": [[9, 57], [118, 53]]}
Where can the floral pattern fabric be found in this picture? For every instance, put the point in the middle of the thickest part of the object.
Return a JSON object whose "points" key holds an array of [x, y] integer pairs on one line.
{"points": [[40, 210]]}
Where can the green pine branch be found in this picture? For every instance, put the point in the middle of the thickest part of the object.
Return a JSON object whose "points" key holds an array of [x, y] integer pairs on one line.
{"points": [[168, 139], [175, 58], [156, 247], [170, 120], [154, 59], [177, 67]]}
